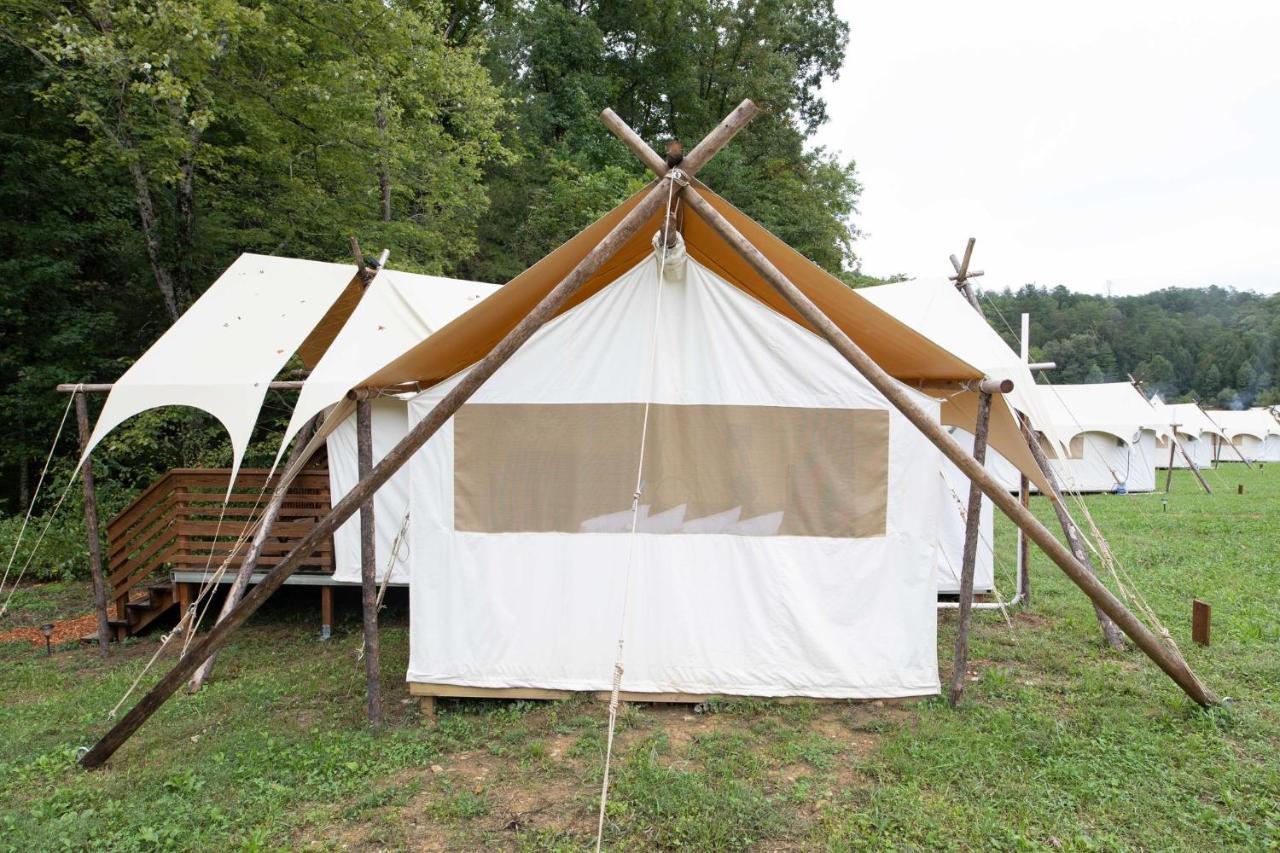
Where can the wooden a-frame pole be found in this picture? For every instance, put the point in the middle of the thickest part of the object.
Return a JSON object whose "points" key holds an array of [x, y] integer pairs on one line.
{"points": [[368, 569], [969, 558], [1070, 529], [1166, 658], [544, 311], [1163, 656]]}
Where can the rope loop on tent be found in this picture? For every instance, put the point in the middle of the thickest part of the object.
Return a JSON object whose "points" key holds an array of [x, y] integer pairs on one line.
{"points": [[677, 177]]}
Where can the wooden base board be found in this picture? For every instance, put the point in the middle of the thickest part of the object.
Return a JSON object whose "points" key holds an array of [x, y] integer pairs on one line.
{"points": [[454, 691]]}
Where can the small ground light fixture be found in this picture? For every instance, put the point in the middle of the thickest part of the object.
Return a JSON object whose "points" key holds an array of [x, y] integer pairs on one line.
{"points": [[47, 630]]}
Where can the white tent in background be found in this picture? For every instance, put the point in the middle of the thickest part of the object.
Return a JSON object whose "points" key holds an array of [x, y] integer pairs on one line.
{"points": [[934, 308], [1253, 432], [1196, 434], [1113, 431]]}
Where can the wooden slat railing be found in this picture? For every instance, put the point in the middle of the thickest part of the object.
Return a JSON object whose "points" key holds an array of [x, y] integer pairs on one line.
{"points": [[174, 524]]}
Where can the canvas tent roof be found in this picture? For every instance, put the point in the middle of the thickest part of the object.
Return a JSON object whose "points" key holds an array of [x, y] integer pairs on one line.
{"points": [[1111, 407], [1255, 422], [1190, 420], [905, 353]]}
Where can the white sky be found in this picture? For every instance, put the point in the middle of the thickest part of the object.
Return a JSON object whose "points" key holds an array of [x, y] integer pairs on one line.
{"points": [[1128, 141]]}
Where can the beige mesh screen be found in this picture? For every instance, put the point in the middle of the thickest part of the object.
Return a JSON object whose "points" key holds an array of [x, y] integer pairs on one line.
{"points": [[747, 470]]}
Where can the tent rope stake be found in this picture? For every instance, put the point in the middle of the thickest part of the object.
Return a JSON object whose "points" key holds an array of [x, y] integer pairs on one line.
{"points": [[1171, 662], [547, 308]]}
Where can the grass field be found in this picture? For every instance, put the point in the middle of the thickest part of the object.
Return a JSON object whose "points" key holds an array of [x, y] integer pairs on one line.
{"points": [[1059, 743]]}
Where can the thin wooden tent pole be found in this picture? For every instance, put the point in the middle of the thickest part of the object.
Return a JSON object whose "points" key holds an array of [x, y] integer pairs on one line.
{"points": [[250, 563], [544, 311], [105, 387], [1173, 448], [1167, 659], [1024, 553], [1075, 539], [1195, 469], [368, 568], [1218, 439], [92, 537], [973, 515]]}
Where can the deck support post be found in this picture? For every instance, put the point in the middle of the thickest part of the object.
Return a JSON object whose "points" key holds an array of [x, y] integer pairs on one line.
{"points": [[326, 613], [92, 536], [368, 568], [972, 528]]}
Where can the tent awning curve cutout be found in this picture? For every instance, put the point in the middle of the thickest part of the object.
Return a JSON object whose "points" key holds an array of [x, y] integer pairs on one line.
{"points": [[221, 355]]}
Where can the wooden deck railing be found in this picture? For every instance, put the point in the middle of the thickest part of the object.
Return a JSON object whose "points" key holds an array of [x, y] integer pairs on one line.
{"points": [[174, 524]]}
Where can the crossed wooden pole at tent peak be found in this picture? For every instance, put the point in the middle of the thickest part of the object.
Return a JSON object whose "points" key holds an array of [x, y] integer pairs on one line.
{"points": [[669, 181]]}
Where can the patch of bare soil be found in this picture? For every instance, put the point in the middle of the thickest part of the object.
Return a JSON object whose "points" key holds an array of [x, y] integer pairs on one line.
{"points": [[64, 631]]}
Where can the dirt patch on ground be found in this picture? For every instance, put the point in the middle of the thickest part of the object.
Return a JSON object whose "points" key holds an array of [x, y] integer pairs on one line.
{"points": [[64, 631]]}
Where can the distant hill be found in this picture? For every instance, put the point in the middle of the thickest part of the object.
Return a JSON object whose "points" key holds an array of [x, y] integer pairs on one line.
{"points": [[1219, 345]]}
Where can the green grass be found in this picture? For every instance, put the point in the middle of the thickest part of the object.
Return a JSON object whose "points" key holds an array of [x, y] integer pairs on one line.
{"points": [[1059, 742]]}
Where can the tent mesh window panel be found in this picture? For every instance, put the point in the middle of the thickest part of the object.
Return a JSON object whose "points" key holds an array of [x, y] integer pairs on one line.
{"points": [[745, 470]]}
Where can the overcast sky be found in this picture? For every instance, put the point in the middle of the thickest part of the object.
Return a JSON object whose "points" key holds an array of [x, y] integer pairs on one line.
{"points": [[1133, 142]]}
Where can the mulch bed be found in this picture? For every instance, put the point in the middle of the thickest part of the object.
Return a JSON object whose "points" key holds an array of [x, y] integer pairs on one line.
{"points": [[64, 631]]}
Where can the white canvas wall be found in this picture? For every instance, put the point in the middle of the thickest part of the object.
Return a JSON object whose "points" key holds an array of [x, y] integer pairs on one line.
{"points": [[1107, 462], [707, 612], [390, 422], [951, 526]]}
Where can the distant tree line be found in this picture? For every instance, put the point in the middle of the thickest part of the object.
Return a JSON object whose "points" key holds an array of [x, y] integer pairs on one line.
{"points": [[1216, 345]]}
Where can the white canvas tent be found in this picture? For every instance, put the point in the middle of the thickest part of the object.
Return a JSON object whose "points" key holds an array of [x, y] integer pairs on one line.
{"points": [[951, 528], [1113, 430], [1253, 432], [1196, 434]]}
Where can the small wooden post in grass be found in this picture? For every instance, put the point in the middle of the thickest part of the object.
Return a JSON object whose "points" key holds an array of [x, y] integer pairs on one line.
{"points": [[368, 566], [973, 514], [92, 537], [1239, 488], [1200, 616]]}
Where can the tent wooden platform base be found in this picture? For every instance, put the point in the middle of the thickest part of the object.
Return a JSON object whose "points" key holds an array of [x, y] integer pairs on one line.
{"points": [[427, 694]]}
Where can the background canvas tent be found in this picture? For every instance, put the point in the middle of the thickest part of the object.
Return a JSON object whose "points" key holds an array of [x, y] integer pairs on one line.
{"points": [[1113, 436], [1196, 433], [1253, 432]]}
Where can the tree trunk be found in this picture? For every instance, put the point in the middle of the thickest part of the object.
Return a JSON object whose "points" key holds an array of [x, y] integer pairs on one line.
{"points": [[151, 236], [186, 215], [384, 159], [91, 531]]}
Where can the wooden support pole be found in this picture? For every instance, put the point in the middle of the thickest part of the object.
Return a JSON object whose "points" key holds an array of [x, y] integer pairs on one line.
{"points": [[1173, 448], [326, 612], [92, 537], [1191, 463], [1071, 531], [105, 387], [973, 515], [544, 311], [1024, 553], [250, 563], [1163, 656], [368, 567], [182, 592]]}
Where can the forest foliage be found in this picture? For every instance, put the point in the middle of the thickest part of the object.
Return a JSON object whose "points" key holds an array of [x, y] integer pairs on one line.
{"points": [[146, 143]]}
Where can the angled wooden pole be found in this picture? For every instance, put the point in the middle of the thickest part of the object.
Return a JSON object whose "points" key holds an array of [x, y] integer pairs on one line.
{"points": [[92, 536], [1191, 463], [368, 568], [541, 313], [1173, 447], [1164, 657], [260, 535], [1024, 553], [1222, 436], [1070, 529], [973, 515]]}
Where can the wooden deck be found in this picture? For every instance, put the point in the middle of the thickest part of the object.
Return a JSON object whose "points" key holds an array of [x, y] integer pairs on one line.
{"points": [[179, 526]]}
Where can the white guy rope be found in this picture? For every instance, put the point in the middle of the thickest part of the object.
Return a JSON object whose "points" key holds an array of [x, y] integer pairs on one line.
{"points": [[635, 511], [31, 505]]}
